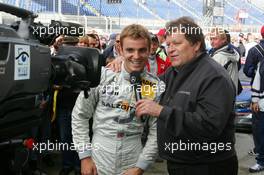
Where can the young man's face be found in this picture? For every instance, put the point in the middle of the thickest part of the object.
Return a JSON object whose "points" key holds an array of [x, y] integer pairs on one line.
{"points": [[135, 53]]}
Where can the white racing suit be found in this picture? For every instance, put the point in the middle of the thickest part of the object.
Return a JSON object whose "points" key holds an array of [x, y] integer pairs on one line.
{"points": [[116, 143]]}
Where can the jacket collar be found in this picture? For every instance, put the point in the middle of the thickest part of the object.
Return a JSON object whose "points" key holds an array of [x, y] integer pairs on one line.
{"points": [[191, 63]]}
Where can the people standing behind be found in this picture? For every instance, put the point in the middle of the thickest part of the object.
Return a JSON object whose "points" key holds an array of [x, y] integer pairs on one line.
{"points": [[162, 49], [55, 46], [231, 45], [162, 37], [70, 41], [103, 42], [111, 40], [253, 58], [250, 43], [98, 43], [195, 116], [65, 101], [92, 40], [113, 51], [83, 41], [116, 144], [257, 108], [155, 64], [224, 54], [241, 46]]}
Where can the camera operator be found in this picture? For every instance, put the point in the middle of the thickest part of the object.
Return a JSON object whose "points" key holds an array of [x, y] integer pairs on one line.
{"points": [[58, 42], [65, 101]]}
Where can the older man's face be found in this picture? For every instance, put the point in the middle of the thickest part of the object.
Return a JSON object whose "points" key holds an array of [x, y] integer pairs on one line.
{"points": [[217, 42], [180, 50]]}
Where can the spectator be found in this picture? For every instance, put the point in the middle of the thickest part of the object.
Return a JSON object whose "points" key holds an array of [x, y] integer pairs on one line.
{"points": [[155, 64], [162, 50], [112, 51], [255, 56], [83, 41], [258, 108], [250, 43], [241, 47], [103, 42], [92, 40], [224, 54], [98, 43], [112, 39]]}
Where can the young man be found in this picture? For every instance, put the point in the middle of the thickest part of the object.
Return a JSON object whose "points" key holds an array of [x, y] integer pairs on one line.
{"points": [[116, 144]]}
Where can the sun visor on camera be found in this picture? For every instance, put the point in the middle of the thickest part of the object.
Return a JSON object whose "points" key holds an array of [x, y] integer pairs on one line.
{"points": [[77, 64]]}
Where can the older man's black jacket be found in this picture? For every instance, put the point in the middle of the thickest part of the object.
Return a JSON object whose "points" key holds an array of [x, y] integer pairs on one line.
{"points": [[198, 113]]}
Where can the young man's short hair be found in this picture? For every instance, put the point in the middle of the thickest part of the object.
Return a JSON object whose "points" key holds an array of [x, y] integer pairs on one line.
{"points": [[135, 31]]}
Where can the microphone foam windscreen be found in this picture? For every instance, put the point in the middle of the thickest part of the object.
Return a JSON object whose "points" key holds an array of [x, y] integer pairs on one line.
{"points": [[135, 77]]}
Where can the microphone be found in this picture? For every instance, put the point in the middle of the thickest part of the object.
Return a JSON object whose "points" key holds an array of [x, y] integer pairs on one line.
{"points": [[135, 80]]}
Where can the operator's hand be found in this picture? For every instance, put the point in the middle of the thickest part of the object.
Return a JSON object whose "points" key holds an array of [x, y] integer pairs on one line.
{"points": [[88, 167], [254, 107], [43, 104], [133, 171], [57, 87], [116, 64], [148, 107]]}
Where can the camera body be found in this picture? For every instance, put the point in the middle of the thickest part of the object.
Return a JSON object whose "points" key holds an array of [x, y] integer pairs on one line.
{"points": [[28, 73], [25, 70]]}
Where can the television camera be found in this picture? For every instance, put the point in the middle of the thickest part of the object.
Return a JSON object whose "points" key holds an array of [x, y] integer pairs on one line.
{"points": [[27, 70]]}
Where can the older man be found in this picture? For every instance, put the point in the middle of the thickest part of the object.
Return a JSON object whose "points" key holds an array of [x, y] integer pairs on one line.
{"points": [[196, 112]]}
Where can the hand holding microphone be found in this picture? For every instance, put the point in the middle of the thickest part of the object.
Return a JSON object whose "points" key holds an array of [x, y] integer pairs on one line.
{"points": [[143, 107]]}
